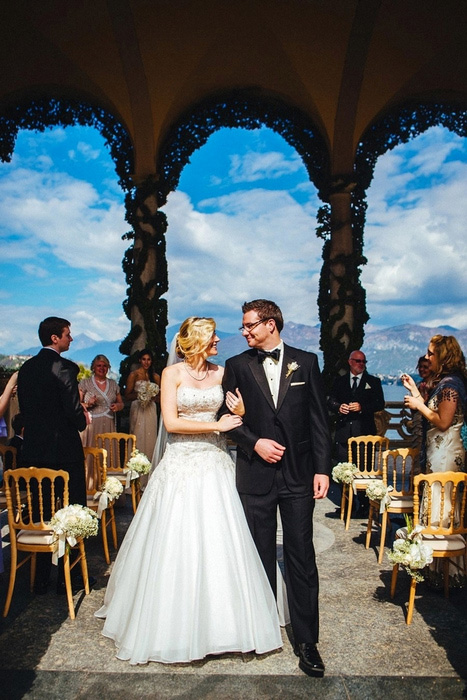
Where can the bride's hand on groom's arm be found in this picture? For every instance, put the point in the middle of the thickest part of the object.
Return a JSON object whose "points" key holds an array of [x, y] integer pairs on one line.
{"points": [[228, 422], [234, 402]]}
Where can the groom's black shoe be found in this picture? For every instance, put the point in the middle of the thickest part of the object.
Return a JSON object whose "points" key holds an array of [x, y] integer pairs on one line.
{"points": [[310, 661]]}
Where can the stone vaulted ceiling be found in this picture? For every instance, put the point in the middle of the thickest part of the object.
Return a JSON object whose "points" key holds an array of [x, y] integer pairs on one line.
{"points": [[344, 63]]}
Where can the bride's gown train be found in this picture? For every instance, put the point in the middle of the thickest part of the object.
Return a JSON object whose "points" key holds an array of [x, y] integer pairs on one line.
{"points": [[188, 581]]}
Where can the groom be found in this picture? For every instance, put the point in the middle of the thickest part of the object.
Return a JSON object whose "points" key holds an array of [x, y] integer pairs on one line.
{"points": [[283, 458]]}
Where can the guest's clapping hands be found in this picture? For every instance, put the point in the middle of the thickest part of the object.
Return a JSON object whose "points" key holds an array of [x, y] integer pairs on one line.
{"points": [[413, 400], [409, 383], [353, 407]]}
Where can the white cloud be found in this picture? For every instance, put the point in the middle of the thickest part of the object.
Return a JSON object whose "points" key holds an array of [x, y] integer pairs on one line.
{"points": [[98, 323], [260, 244], [106, 288], [82, 229], [35, 271], [258, 166], [44, 162], [415, 236], [85, 150], [18, 330]]}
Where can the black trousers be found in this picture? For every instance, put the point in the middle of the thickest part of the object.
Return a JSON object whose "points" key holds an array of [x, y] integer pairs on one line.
{"points": [[301, 574]]}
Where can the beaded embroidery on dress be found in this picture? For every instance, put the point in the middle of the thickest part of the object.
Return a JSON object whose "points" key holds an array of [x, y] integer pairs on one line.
{"points": [[188, 580]]}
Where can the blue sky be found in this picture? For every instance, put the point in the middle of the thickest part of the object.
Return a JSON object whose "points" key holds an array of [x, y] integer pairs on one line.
{"points": [[241, 225]]}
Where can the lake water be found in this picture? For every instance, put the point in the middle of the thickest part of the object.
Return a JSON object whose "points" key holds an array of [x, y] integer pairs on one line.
{"points": [[394, 392]]}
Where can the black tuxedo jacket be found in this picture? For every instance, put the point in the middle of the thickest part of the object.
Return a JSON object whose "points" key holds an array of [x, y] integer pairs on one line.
{"points": [[369, 395], [53, 416], [300, 421]]}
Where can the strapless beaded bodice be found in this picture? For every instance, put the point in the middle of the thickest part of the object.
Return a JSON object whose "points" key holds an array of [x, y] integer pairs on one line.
{"points": [[199, 404]]}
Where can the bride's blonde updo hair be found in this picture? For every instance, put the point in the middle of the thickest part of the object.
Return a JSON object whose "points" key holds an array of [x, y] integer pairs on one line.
{"points": [[194, 336]]}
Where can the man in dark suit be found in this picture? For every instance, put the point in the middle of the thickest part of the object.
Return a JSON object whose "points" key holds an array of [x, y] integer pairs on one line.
{"points": [[53, 416], [283, 459], [354, 398]]}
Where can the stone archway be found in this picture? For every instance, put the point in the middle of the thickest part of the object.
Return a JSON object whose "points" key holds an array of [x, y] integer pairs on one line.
{"points": [[38, 113], [145, 263]]}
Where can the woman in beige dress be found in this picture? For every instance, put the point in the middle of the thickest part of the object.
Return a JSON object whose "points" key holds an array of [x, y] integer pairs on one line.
{"points": [[101, 399], [142, 390]]}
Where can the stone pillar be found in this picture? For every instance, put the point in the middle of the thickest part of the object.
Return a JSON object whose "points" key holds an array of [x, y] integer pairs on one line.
{"points": [[145, 265], [341, 297], [341, 308]]}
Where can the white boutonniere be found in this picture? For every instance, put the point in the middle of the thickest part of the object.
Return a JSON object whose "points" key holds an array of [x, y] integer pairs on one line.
{"points": [[291, 367]]}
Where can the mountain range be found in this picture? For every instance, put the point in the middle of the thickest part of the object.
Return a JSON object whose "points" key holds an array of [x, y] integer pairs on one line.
{"points": [[389, 352]]}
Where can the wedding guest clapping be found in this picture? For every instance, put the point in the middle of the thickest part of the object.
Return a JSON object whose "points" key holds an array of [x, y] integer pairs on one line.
{"points": [[100, 397]]}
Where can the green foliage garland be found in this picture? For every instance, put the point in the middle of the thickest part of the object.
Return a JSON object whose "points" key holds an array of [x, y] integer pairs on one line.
{"points": [[247, 108], [336, 347], [145, 296], [41, 113]]}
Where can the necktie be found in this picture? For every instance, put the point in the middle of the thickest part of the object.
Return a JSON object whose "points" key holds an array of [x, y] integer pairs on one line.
{"points": [[354, 385], [263, 354]]}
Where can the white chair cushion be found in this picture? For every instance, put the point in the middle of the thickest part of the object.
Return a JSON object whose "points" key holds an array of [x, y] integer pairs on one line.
{"points": [[361, 482], [118, 474], [438, 543], [402, 502], [446, 543], [36, 537]]}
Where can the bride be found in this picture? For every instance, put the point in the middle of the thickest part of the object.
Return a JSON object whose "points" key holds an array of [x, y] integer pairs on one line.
{"points": [[188, 581]]}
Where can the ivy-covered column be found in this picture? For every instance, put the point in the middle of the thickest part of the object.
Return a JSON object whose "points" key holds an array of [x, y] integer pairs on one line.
{"points": [[341, 297], [145, 267], [340, 287]]}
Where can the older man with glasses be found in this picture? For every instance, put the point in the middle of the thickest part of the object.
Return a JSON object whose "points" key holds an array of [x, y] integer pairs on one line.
{"points": [[354, 399]]}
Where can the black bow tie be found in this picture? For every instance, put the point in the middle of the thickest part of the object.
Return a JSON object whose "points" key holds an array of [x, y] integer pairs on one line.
{"points": [[275, 354]]}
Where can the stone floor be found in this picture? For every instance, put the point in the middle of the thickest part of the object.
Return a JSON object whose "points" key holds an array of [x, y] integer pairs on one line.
{"points": [[368, 649]]}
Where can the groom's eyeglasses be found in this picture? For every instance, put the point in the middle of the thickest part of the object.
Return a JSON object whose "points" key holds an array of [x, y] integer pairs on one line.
{"points": [[249, 326]]}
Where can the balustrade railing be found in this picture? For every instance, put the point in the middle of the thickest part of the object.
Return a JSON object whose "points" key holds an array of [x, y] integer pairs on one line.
{"points": [[396, 423]]}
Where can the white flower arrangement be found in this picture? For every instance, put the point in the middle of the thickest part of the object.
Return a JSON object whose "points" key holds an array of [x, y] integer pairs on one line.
{"points": [[411, 552], [70, 523], [113, 487], [137, 465], [147, 391], [111, 490], [344, 472], [292, 367], [377, 491]]}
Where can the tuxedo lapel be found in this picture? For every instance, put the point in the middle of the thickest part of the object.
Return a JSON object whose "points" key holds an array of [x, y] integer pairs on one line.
{"points": [[285, 381], [260, 377]]}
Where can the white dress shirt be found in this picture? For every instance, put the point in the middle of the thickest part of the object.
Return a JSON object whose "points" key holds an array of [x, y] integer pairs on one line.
{"points": [[272, 370]]}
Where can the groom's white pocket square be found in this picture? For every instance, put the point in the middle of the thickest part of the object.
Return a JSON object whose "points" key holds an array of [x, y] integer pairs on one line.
{"points": [[297, 383]]}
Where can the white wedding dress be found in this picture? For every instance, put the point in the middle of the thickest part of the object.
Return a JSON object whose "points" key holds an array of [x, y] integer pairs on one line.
{"points": [[188, 581]]}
